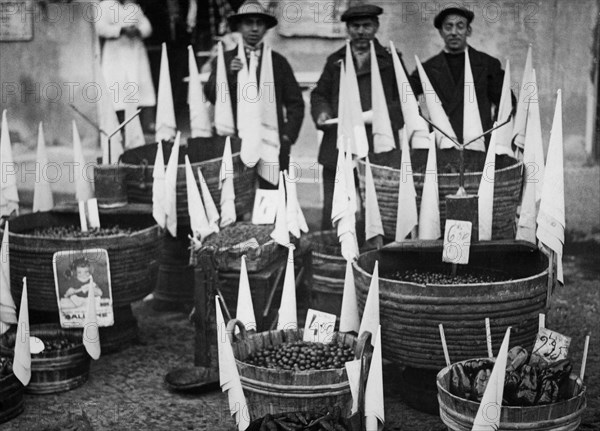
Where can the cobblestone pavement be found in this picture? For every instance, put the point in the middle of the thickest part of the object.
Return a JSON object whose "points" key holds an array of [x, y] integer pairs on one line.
{"points": [[126, 390]]}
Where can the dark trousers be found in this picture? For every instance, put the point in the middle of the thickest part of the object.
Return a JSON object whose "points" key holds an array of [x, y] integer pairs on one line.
{"points": [[328, 179]]}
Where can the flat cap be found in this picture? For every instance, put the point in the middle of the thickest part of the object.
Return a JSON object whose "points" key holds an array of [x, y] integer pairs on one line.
{"points": [[461, 11], [362, 11]]}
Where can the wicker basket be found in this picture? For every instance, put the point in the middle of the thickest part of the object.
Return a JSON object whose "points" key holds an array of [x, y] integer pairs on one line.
{"points": [[507, 191], [133, 258], [458, 414], [11, 397], [411, 312], [271, 391]]}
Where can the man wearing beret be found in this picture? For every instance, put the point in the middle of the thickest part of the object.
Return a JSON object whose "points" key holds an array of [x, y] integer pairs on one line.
{"points": [[362, 23], [446, 71], [253, 21]]}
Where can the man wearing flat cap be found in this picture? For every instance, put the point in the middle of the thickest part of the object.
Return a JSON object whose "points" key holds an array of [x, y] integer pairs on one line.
{"points": [[253, 21], [362, 23], [446, 71]]}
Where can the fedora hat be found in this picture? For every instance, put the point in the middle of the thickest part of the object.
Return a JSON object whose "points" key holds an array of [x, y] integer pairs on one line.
{"points": [[251, 8]]}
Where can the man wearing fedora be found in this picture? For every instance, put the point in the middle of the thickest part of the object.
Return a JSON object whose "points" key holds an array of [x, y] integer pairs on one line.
{"points": [[252, 21], [446, 71], [362, 23]]}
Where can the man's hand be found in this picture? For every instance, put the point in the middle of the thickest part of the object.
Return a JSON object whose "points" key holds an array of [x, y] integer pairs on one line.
{"points": [[236, 65], [323, 116]]}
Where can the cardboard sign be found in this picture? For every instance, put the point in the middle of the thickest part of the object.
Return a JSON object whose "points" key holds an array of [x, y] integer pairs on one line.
{"points": [[550, 347], [265, 206], [36, 345], [319, 327], [75, 272], [457, 241]]}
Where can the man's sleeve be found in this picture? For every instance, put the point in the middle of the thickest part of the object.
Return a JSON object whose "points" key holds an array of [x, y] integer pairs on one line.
{"points": [[210, 86], [415, 83], [320, 97], [293, 103]]}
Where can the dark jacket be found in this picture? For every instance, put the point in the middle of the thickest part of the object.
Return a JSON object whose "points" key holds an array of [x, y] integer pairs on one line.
{"points": [[290, 105], [324, 98], [487, 75]]}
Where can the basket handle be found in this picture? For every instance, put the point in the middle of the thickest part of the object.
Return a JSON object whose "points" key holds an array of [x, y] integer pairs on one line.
{"points": [[231, 329]]}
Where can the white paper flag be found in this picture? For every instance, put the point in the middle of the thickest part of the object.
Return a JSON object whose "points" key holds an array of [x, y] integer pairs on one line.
{"points": [[383, 137], [22, 358], [166, 127], [42, 192], [249, 112], [281, 234], [198, 220], [349, 320], [268, 167], [472, 127], [245, 308], [374, 410], [352, 109], [373, 223], [212, 214], [407, 217], [9, 197], [8, 309], [370, 317], [200, 118], [171, 188], [158, 188], [223, 109], [485, 193], [227, 202]]}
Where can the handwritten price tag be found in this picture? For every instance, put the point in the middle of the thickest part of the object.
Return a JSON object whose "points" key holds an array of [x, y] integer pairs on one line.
{"points": [[549, 347], [457, 242], [319, 326], [265, 206]]}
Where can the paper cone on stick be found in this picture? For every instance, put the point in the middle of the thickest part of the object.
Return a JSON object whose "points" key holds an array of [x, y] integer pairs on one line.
{"points": [[9, 196], [42, 192], [352, 110], [83, 183], [407, 217], [166, 127], [349, 320], [288, 318], [417, 128], [373, 223], [472, 127], [429, 216], [91, 333], [198, 220], [22, 358], [374, 410], [8, 309], [107, 118], [485, 193], [223, 109], [245, 308], [281, 234], [158, 188], [212, 214], [227, 202], [370, 317], [229, 377], [383, 137], [134, 135], [249, 110], [551, 217], [340, 203], [200, 121], [488, 414], [294, 214], [437, 113], [171, 188], [520, 124], [503, 135], [346, 227]]}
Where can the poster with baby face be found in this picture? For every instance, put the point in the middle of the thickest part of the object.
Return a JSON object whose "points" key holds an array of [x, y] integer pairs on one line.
{"points": [[75, 273]]}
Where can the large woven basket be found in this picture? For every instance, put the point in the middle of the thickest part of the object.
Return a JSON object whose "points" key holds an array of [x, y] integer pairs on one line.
{"points": [[458, 414], [139, 168], [507, 191], [411, 312], [133, 257], [11, 397], [271, 391]]}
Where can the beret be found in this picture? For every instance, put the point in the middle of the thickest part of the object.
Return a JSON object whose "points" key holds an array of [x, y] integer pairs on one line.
{"points": [[439, 18], [362, 11]]}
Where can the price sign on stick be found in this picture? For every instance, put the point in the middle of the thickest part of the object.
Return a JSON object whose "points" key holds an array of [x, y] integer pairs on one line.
{"points": [[319, 326], [457, 241], [549, 347]]}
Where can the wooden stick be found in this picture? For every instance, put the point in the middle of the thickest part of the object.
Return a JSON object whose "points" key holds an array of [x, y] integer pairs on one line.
{"points": [[542, 320], [551, 276], [584, 360], [488, 337], [444, 346], [118, 129]]}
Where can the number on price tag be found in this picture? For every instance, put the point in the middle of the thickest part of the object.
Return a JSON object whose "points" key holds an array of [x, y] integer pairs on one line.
{"points": [[457, 241], [549, 347], [319, 326]]}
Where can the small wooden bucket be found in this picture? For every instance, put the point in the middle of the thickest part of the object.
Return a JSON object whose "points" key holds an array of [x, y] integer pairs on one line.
{"points": [[11, 397], [109, 186], [270, 391], [458, 414]]}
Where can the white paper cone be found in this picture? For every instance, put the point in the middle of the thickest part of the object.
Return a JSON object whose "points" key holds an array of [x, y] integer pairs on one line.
{"points": [[158, 188], [383, 137], [374, 410], [373, 223], [200, 121], [291, 206], [223, 109], [471, 119], [166, 127], [520, 123], [245, 308], [22, 358], [270, 147], [91, 333], [198, 220], [504, 134], [227, 202], [349, 320], [370, 317], [42, 192], [8, 309], [249, 113], [485, 193], [353, 372], [281, 234], [83, 175], [171, 188], [429, 216], [9, 196], [436, 111], [551, 217], [212, 214], [340, 203], [407, 217], [351, 112], [288, 318]]}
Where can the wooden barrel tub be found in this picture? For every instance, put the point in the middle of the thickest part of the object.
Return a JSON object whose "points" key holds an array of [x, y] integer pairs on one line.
{"points": [[411, 312]]}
